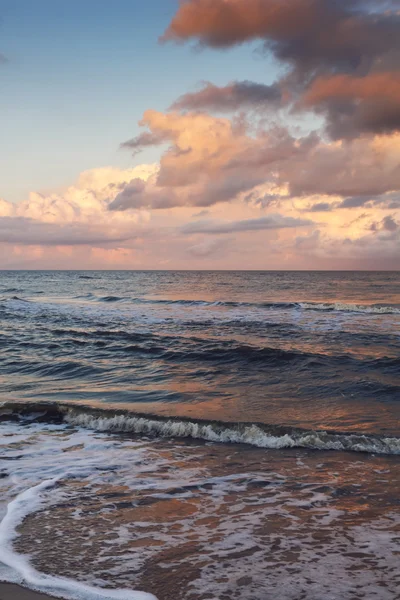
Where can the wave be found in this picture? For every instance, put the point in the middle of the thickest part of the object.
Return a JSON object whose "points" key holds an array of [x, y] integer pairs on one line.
{"points": [[178, 350], [5, 301], [111, 299], [316, 306], [367, 309], [19, 299], [259, 435], [68, 369], [228, 353], [356, 308]]}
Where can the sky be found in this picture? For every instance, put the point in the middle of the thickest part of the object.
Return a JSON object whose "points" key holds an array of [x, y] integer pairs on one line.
{"points": [[200, 134]]}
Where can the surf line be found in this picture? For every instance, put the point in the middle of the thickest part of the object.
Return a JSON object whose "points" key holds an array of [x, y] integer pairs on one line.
{"points": [[24, 504]]}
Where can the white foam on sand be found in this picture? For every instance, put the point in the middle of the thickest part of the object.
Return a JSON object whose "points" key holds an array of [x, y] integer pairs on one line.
{"points": [[22, 571], [108, 507]]}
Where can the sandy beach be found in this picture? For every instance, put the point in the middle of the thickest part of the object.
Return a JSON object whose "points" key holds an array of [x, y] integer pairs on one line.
{"points": [[10, 591]]}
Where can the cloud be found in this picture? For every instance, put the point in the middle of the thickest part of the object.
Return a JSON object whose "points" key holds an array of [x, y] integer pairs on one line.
{"points": [[321, 207], [308, 33], [136, 195], [199, 144], [388, 223], [363, 169], [274, 221], [234, 96], [342, 57], [340, 61], [374, 250], [208, 248], [3, 59], [356, 201], [199, 167], [356, 105], [145, 140], [74, 227], [202, 213], [25, 231], [211, 160], [78, 215]]}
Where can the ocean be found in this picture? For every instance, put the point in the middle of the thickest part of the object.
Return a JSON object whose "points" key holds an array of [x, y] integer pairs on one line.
{"points": [[200, 435]]}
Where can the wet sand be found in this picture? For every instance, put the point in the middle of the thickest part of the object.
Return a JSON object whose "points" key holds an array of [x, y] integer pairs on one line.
{"points": [[10, 591]]}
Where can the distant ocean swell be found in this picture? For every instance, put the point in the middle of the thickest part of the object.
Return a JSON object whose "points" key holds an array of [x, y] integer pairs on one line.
{"points": [[174, 349], [334, 306], [316, 306], [254, 434]]}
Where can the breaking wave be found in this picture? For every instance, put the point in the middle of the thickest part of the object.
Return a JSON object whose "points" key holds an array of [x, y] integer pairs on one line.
{"points": [[23, 505], [317, 306], [259, 435], [355, 308]]}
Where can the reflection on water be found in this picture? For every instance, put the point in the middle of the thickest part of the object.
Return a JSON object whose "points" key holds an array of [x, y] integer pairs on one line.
{"points": [[198, 521], [231, 346], [161, 507]]}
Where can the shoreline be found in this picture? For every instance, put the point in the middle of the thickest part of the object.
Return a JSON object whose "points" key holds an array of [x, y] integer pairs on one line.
{"points": [[13, 591]]}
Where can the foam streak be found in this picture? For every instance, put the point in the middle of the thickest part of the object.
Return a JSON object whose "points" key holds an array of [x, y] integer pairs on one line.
{"points": [[18, 509]]}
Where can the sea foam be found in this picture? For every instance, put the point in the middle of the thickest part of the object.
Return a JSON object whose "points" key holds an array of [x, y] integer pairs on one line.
{"points": [[243, 433], [23, 573]]}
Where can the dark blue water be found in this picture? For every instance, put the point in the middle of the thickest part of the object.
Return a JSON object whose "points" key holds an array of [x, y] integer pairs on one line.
{"points": [[305, 349], [169, 432]]}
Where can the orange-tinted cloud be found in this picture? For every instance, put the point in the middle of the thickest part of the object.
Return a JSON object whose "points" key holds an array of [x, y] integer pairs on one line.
{"points": [[78, 216], [222, 23], [372, 102], [211, 160], [328, 46], [275, 198], [371, 87], [340, 33]]}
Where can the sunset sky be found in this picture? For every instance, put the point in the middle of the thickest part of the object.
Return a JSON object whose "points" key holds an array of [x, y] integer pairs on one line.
{"points": [[202, 134]]}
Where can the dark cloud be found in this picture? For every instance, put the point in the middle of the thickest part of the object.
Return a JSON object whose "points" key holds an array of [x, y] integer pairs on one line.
{"points": [[131, 196], [356, 201], [3, 59], [225, 189], [24, 231], [236, 95], [321, 207], [353, 105], [382, 200], [394, 205], [145, 140], [263, 223], [311, 34], [265, 200], [135, 195], [388, 224], [343, 57]]}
